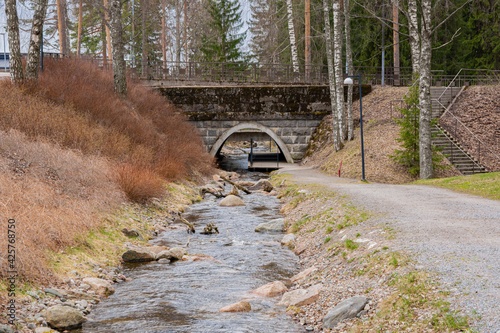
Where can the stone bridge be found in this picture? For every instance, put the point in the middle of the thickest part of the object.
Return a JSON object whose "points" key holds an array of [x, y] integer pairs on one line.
{"points": [[289, 115]]}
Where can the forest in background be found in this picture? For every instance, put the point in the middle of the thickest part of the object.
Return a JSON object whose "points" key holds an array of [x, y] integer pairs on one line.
{"points": [[179, 30]]}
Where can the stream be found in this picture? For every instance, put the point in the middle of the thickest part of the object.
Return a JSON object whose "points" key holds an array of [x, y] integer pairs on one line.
{"points": [[185, 296]]}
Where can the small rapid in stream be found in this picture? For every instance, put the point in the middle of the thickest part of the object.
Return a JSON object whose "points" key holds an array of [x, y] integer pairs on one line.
{"points": [[185, 296]]}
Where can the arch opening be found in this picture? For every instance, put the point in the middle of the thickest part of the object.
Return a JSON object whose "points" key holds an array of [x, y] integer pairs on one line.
{"points": [[252, 126]]}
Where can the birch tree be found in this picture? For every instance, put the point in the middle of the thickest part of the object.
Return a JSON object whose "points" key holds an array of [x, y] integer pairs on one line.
{"points": [[119, 74], [414, 35], [350, 69], [339, 77], [426, 164], [33, 61], [291, 33], [331, 74], [15, 64], [79, 33]]}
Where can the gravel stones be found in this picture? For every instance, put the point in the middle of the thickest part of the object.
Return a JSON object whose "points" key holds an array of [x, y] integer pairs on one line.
{"points": [[348, 308], [6, 329]]}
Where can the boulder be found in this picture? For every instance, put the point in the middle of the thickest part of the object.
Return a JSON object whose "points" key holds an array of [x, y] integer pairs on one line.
{"points": [[263, 184], [6, 329], [138, 254], [242, 306], [288, 238], [100, 286], [301, 297], [271, 226], [63, 317], [302, 275], [231, 201], [245, 183], [157, 248], [132, 233], [175, 253], [271, 289], [348, 308]]}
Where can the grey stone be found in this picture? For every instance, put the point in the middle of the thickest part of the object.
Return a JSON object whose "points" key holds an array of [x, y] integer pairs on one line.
{"points": [[6, 329], [175, 253], [348, 308], [262, 184], [63, 317], [138, 255], [44, 330], [288, 238], [301, 297], [231, 201], [33, 294], [54, 292], [271, 226], [132, 233]]}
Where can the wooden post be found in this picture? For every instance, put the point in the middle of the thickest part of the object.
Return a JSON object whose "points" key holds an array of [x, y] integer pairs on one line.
{"points": [[308, 40]]}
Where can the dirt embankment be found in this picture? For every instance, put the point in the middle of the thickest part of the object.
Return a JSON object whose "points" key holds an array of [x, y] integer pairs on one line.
{"points": [[380, 141], [478, 108]]}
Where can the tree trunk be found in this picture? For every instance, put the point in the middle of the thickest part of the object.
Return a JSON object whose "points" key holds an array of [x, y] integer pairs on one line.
{"points": [[63, 28], [426, 165], [414, 36], [144, 60], [177, 31], [33, 61], [331, 74], [80, 20], [108, 34], [307, 52], [350, 69], [15, 64], [119, 70], [395, 34], [291, 33], [164, 33], [104, 52], [339, 77]]}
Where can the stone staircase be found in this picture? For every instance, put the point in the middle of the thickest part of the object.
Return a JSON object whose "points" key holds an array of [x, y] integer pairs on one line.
{"points": [[459, 157]]}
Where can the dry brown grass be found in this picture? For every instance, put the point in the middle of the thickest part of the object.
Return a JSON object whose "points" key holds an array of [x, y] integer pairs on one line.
{"points": [[138, 183], [53, 194]]}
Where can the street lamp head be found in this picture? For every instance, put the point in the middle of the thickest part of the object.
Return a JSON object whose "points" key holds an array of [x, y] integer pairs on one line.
{"points": [[348, 81]]}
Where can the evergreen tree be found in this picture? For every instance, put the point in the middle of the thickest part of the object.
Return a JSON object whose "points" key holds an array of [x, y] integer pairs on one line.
{"points": [[221, 43]]}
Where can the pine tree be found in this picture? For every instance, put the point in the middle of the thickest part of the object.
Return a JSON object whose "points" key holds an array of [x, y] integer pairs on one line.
{"points": [[222, 42]]}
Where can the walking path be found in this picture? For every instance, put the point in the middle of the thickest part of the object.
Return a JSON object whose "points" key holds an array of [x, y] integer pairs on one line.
{"points": [[455, 234]]}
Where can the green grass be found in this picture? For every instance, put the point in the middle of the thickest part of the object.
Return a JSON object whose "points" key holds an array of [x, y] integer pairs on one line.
{"points": [[486, 185]]}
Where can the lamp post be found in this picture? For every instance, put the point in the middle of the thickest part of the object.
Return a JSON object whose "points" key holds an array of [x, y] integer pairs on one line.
{"points": [[348, 81]]}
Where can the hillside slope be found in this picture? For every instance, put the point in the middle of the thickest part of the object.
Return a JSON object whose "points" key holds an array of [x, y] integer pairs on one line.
{"points": [[380, 134]]}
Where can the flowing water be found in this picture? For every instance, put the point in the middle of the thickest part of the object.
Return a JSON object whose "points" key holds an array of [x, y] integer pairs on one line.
{"points": [[186, 296]]}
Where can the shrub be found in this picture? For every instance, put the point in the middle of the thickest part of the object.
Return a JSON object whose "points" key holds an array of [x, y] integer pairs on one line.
{"points": [[139, 184]]}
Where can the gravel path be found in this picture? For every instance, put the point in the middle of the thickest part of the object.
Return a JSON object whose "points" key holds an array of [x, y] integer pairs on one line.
{"points": [[457, 235]]}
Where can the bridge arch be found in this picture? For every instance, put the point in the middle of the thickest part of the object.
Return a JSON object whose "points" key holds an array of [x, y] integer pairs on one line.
{"points": [[251, 125]]}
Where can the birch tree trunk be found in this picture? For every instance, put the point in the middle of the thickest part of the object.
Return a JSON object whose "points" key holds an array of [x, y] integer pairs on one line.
{"points": [[144, 60], [63, 28], [119, 74], [178, 31], [164, 34], [339, 77], [291, 33], [426, 165], [350, 69], [15, 64], [307, 33], [331, 74], [33, 61], [395, 37], [79, 36], [414, 36]]}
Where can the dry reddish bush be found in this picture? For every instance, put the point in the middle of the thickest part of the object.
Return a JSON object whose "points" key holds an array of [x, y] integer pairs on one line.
{"points": [[53, 194], [159, 135], [139, 183]]}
